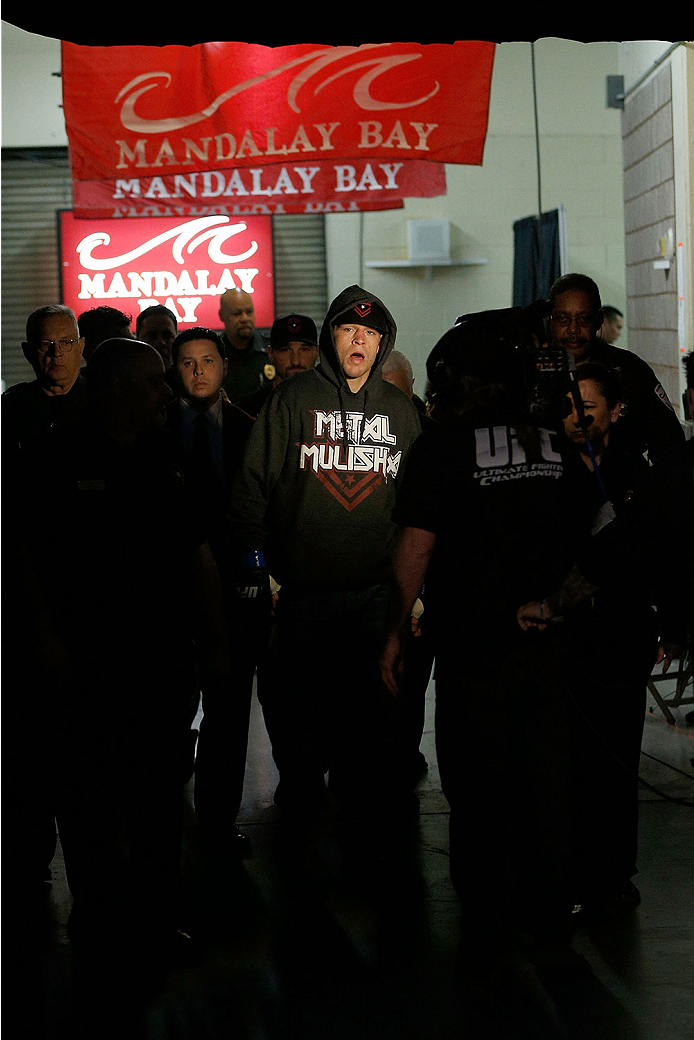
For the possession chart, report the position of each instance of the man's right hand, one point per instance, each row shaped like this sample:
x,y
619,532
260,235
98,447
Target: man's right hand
x,y
390,662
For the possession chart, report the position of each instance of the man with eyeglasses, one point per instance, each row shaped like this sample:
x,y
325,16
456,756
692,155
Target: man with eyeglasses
x,y
53,348
100,515
31,411
648,423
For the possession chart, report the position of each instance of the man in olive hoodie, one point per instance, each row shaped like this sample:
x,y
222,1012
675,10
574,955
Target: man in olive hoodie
x,y
313,504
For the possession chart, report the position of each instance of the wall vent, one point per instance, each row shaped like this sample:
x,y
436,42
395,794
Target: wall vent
x,y
429,239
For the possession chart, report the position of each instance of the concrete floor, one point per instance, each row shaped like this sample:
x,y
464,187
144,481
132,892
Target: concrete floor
x,y
291,953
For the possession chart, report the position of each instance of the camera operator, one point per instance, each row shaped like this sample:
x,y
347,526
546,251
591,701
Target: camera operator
x,y
482,513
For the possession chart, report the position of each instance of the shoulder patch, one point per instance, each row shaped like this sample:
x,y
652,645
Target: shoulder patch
x,y
660,392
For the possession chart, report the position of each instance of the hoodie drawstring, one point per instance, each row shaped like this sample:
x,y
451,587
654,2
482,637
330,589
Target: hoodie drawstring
x,y
343,416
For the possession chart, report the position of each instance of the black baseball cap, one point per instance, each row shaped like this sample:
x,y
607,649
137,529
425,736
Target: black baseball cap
x,y
367,312
293,327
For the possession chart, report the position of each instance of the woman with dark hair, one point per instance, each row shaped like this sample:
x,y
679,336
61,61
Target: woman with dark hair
x,y
614,641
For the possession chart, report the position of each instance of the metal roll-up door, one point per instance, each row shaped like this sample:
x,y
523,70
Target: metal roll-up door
x,y
301,283
36,185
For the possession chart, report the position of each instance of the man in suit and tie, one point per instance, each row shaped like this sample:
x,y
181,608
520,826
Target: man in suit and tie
x,y
211,433
210,461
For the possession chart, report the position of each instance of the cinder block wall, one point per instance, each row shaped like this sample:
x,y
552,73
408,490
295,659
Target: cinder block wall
x,y
649,212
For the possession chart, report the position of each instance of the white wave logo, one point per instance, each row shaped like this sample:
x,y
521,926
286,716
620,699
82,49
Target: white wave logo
x,y
318,61
186,238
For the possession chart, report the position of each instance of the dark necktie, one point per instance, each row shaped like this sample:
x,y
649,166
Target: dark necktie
x,y
202,468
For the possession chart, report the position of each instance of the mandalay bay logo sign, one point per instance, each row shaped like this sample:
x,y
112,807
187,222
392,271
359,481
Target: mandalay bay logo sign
x,y
314,138
185,265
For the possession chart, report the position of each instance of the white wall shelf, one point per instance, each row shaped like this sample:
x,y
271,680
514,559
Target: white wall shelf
x,y
428,265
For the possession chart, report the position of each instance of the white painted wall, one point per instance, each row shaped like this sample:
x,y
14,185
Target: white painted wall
x,y
581,167
32,115
638,57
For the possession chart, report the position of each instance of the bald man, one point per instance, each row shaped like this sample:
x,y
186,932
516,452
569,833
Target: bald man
x,y
398,371
249,368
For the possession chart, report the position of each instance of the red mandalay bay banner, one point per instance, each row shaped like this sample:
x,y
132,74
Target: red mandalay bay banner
x,y
142,112
320,187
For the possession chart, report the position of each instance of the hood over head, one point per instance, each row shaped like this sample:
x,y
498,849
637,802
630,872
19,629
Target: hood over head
x,y
355,304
